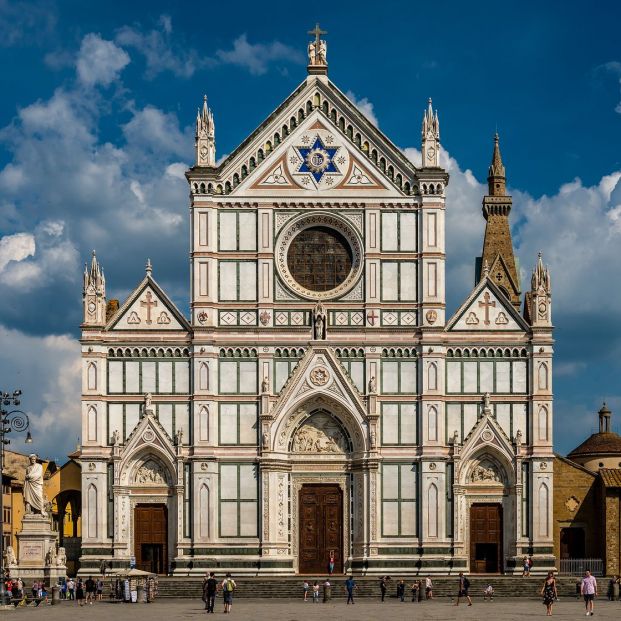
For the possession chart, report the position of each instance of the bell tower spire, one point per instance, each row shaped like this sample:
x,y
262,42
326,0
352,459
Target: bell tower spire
x,y
430,138
205,136
498,246
94,294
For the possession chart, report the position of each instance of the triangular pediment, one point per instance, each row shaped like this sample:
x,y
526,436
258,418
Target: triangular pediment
x,y
486,309
148,308
319,373
277,152
147,437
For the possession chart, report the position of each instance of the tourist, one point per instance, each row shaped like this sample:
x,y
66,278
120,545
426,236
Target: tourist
x,y
488,592
350,585
428,588
420,591
401,590
383,585
549,593
228,586
331,563
90,590
414,589
589,591
611,588
71,589
79,592
525,568
210,588
99,585
305,588
35,589
315,592
63,589
464,585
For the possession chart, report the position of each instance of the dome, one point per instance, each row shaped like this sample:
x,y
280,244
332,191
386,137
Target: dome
x,y
602,443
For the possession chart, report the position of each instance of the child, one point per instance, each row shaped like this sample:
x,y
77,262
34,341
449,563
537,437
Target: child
x,y
316,592
305,587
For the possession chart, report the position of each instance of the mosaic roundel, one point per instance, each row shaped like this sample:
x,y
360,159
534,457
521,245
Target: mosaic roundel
x,y
317,161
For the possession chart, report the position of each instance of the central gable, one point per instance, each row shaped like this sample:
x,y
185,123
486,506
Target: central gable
x,y
316,141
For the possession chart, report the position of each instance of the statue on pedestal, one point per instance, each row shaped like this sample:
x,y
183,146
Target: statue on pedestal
x,y
34,499
319,322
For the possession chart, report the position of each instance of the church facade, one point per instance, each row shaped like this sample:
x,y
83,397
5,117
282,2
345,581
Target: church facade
x,y
318,402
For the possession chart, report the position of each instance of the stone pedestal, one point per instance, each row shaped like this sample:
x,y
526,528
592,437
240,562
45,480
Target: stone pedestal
x,y
34,542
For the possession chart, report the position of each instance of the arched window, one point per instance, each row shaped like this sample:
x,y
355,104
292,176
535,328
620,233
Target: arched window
x,y
203,376
543,376
543,423
432,511
432,424
544,494
432,376
203,424
92,513
204,512
91,431
92,376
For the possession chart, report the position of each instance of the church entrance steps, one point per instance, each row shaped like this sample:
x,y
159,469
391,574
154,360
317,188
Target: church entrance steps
x,y
290,587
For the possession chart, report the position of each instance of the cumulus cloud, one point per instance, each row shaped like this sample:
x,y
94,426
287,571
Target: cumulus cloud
x,y
159,50
365,106
257,57
100,61
15,248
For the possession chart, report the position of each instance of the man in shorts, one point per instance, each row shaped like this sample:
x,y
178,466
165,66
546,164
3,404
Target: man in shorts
x,y
90,590
464,585
228,586
589,591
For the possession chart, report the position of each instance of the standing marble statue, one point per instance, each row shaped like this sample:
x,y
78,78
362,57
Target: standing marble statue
x,y
34,499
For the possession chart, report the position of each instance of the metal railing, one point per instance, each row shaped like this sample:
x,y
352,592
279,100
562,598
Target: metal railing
x,y
577,566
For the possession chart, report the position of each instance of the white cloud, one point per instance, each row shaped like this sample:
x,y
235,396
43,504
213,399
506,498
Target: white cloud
x,y
99,61
25,21
16,248
257,57
160,52
365,106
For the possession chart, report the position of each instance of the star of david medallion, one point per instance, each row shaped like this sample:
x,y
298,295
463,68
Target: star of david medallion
x,y
317,163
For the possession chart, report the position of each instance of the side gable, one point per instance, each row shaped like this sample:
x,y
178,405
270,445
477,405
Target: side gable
x,y
148,308
486,309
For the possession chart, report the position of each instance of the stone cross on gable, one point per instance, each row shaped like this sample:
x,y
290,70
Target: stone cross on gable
x,y
149,303
317,48
487,304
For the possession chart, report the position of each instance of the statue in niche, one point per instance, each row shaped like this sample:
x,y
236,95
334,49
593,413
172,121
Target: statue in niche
x,y
116,437
485,472
319,322
151,473
265,440
148,406
319,434
518,437
265,385
179,437
372,385
373,439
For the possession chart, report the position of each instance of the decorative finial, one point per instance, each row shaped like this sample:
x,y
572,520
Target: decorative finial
x,y
148,267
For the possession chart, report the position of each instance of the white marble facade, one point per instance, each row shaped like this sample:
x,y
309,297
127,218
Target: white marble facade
x,y
277,381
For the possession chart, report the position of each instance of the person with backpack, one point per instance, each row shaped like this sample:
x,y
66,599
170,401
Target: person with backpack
x,y
228,586
464,585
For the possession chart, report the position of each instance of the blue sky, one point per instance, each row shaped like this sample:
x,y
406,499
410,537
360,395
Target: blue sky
x,y
96,129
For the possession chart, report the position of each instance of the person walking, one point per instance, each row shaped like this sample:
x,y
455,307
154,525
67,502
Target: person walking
x,y
210,587
79,592
350,585
383,585
71,589
305,587
464,585
548,591
100,588
401,590
90,590
589,591
316,592
428,588
228,586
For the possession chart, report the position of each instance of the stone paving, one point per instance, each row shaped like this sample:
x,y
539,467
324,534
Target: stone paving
x,y
297,610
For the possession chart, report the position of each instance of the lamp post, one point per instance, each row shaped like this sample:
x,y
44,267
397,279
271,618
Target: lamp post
x,y
13,420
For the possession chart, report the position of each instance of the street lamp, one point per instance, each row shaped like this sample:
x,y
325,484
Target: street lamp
x,y
13,420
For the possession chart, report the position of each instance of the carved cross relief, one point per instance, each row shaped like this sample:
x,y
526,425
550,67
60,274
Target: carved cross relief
x,y
148,303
